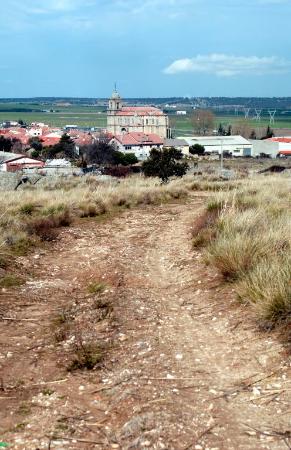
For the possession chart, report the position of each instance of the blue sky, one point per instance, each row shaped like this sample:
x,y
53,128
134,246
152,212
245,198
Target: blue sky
x,y
150,47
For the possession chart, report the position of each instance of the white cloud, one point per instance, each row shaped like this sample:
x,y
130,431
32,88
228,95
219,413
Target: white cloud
x,y
228,65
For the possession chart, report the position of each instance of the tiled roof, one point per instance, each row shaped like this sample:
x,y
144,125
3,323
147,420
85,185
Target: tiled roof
x,y
286,140
48,141
139,111
136,138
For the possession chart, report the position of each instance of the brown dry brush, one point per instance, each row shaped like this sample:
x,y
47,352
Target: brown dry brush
x,y
35,214
249,242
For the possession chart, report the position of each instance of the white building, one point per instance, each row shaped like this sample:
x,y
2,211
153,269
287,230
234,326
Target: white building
x,y
236,145
272,147
138,143
142,119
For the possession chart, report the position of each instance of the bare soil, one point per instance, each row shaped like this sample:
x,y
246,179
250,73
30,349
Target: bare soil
x,y
185,366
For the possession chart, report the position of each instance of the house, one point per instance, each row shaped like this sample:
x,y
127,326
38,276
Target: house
x,y
179,144
142,119
19,162
138,143
235,145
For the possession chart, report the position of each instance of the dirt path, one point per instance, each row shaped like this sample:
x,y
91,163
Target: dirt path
x,y
188,368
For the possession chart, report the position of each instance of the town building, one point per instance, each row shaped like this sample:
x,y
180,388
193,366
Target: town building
x,y
178,144
138,143
14,162
140,119
235,145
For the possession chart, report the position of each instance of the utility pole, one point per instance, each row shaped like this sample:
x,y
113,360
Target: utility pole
x,y
221,154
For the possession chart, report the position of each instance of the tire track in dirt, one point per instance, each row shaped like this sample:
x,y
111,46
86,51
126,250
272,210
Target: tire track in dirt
x,y
182,373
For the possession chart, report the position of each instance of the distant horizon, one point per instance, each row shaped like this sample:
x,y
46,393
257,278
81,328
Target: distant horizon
x,y
67,97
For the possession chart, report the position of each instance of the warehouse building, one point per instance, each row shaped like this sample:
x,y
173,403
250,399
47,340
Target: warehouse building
x,y
235,145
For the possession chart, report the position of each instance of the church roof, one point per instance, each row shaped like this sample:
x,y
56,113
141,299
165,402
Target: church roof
x,y
139,111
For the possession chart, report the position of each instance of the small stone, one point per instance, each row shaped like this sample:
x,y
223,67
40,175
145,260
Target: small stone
x,y
256,391
122,337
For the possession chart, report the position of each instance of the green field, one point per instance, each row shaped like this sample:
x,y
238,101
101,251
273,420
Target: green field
x,y
182,124
84,116
95,116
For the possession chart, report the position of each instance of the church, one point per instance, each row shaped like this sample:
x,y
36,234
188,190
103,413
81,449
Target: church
x,y
142,119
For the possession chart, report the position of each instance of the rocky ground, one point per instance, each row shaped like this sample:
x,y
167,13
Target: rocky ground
x,y
179,364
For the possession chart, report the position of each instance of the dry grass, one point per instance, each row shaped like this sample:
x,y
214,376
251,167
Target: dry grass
x,y
35,213
253,243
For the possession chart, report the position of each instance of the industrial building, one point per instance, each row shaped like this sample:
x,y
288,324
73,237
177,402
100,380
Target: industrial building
x,y
273,147
235,145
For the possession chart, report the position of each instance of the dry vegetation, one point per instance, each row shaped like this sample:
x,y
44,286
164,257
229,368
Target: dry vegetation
x,y
247,234
34,214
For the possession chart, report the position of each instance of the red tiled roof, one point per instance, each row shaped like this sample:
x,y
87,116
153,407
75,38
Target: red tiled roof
x,y
285,152
286,140
49,141
136,138
139,111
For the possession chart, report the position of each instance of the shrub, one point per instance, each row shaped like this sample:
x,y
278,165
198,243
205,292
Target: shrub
x,y
235,255
27,209
45,227
10,280
96,287
87,355
268,289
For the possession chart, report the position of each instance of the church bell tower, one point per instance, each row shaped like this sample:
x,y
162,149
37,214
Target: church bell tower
x,y
115,103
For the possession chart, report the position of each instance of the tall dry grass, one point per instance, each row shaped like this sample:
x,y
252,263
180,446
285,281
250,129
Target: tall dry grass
x,y
35,213
252,244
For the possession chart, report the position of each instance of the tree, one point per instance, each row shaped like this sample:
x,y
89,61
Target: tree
x,y
229,131
243,128
269,133
99,153
253,135
65,147
35,143
202,121
197,149
129,159
164,163
221,130
5,144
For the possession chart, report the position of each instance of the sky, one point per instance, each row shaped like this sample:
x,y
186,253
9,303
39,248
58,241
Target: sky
x,y
151,48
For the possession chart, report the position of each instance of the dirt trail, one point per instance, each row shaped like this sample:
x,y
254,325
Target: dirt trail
x,y
188,369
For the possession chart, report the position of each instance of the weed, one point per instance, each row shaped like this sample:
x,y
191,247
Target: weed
x,y
96,287
48,392
24,409
62,324
87,355
27,208
10,280
104,307
19,427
